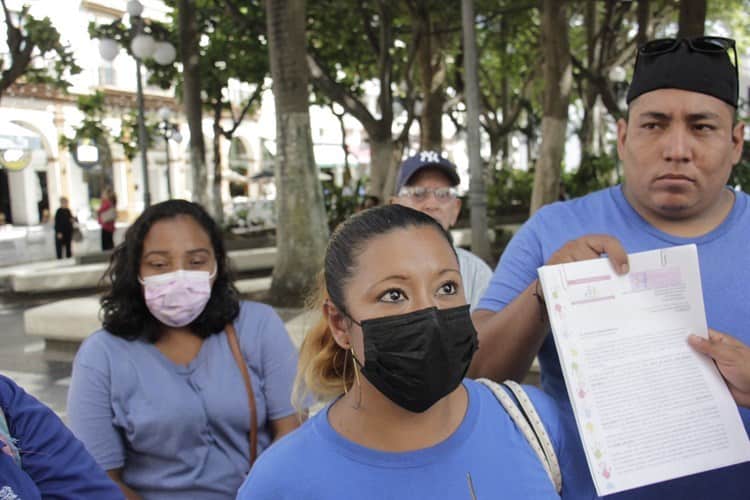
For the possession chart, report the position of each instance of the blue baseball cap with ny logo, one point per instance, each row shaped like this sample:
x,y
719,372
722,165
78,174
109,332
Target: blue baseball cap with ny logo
x,y
426,159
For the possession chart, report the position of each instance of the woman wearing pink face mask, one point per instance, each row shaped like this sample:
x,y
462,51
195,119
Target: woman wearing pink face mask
x,y
158,396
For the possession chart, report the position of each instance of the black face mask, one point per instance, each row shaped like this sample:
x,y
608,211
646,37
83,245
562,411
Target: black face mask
x,y
416,359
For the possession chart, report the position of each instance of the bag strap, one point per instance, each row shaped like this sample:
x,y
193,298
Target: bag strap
x,y
241,364
528,422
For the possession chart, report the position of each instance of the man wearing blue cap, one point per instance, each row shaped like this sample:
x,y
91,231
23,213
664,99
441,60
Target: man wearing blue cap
x,y
427,182
678,145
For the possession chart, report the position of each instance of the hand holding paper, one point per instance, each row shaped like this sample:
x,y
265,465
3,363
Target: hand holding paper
x,y
732,358
648,407
592,246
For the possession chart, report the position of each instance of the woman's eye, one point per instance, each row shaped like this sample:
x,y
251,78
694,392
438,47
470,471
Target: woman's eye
x,y
157,265
448,288
393,295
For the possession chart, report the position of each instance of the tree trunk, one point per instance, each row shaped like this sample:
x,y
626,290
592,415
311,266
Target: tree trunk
x,y
302,229
497,148
344,146
480,243
384,156
431,71
589,91
557,82
218,206
692,18
643,16
431,121
191,96
504,94
587,134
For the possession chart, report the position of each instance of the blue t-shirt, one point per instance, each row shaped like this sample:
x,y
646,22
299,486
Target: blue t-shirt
x,y
724,256
181,431
316,463
54,464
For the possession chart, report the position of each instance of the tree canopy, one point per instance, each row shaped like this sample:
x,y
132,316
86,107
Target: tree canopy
x,y
35,53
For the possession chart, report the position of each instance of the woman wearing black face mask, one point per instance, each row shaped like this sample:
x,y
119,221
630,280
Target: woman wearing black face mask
x,y
391,350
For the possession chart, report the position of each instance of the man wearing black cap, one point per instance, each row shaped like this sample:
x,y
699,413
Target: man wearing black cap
x,y
678,146
427,182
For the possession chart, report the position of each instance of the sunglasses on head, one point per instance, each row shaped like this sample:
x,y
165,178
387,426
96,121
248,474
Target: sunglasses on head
x,y
704,44
708,44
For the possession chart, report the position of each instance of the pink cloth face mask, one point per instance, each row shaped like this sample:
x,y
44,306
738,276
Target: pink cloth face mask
x,y
177,298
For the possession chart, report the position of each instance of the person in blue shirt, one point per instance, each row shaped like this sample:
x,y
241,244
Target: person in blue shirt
x,y
678,145
157,396
391,350
40,457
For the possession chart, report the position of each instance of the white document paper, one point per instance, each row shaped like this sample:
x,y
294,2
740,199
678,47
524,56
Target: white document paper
x,y
647,406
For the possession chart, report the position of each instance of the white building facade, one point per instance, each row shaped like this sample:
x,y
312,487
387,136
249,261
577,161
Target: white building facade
x,y
47,114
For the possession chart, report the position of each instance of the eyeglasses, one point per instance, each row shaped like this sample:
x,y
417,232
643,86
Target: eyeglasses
x,y
705,44
417,193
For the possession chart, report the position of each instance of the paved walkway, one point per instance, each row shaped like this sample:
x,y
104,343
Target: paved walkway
x,y
45,374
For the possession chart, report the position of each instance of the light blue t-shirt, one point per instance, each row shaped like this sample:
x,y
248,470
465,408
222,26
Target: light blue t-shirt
x,y
724,256
181,431
316,463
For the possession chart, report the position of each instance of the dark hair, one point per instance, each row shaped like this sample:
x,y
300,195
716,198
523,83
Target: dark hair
x,y
124,312
110,193
349,239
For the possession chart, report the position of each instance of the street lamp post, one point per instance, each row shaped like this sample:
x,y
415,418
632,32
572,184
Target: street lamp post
x,y
142,46
169,131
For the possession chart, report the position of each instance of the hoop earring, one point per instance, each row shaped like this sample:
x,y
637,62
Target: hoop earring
x,y
356,376
343,374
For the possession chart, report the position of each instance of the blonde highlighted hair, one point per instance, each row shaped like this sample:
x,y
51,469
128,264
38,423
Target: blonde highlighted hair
x,y
321,370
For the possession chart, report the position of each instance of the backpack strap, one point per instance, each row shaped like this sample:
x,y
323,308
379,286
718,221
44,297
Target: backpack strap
x,y
528,422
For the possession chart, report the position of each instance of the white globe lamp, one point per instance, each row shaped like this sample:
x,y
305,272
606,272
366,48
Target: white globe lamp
x,y
108,49
134,8
164,53
165,113
143,46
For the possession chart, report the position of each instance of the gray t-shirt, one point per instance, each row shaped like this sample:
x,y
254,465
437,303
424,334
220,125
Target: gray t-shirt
x,y
181,431
476,275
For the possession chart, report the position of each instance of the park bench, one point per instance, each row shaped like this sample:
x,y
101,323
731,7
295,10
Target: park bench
x,y
7,273
53,278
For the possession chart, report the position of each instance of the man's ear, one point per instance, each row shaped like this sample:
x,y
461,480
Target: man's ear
x,y
457,212
738,141
339,324
622,136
